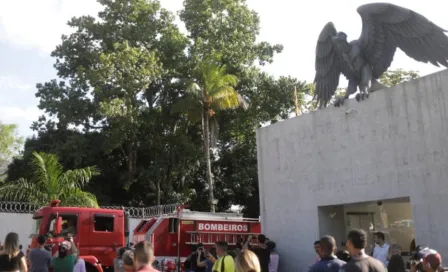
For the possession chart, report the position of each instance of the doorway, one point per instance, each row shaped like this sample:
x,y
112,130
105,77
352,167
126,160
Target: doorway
x,y
364,221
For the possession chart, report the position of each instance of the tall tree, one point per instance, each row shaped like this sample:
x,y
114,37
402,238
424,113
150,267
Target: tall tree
x,y
113,72
10,144
49,181
211,91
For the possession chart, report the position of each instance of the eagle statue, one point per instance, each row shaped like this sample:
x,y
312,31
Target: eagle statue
x,y
385,27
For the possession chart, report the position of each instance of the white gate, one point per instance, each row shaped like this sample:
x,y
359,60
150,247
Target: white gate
x,y
18,217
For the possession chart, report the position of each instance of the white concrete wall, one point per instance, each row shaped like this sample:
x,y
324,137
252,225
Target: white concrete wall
x,y
23,224
395,144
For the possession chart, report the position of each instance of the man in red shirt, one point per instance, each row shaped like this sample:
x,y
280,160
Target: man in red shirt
x,y
144,257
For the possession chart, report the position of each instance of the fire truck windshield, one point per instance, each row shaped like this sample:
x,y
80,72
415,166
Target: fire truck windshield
x,y
36,226
69,225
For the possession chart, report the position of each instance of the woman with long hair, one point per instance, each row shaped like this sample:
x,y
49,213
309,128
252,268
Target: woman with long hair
x,y
396,262
247,261
11,258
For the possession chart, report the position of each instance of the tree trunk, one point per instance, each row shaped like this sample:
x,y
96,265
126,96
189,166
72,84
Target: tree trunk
x,y
158,191
205,129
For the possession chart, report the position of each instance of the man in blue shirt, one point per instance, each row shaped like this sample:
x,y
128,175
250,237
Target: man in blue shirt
x,y
328,261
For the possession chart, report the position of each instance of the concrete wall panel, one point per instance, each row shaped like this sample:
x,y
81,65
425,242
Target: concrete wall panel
x,y
392,145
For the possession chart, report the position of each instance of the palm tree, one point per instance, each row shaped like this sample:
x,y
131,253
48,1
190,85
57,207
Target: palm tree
x,y
211,91
49,181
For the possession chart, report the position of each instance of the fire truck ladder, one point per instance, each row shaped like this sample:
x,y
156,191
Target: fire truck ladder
x,y
210,238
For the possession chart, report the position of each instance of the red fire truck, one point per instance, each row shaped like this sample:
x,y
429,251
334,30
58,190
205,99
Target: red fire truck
x,y
96,232
174,236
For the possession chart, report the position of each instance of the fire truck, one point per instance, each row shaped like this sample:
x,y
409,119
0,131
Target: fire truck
x,y
175,236
98,233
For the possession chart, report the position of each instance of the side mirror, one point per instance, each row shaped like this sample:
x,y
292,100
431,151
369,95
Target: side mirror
x,y
57,225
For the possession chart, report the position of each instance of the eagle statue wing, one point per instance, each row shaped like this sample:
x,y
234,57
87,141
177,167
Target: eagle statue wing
x,y
386,27
329,66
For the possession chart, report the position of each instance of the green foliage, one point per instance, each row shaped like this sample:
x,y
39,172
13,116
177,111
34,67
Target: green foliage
x,y
48,181
10,144
121,102
227,27
394,77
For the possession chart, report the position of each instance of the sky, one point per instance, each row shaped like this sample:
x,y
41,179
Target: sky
x,y
30,30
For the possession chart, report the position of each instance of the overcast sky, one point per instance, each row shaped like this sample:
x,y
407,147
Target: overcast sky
x,y
30,30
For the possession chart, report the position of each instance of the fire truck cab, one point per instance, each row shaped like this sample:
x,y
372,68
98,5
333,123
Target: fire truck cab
x,y
96,232
174,236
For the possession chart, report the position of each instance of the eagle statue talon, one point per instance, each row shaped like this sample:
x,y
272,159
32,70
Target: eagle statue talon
x,y
339,102
385,28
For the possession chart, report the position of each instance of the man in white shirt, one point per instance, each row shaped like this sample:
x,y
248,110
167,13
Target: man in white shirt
x,y
381,250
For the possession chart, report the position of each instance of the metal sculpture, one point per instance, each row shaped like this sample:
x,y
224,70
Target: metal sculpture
x,y
385,27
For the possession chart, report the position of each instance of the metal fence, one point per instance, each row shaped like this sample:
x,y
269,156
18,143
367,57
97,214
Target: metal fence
x,y
134,212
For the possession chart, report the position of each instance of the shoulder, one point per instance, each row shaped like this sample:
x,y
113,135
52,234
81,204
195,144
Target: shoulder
x,y
338,262
313,267
20,254
374,261
350,266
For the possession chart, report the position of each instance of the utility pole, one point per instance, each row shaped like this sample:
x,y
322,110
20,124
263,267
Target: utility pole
x,y
296,101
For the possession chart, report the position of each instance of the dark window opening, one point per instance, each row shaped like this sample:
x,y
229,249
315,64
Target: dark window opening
x,y
69,225
173,224
103,223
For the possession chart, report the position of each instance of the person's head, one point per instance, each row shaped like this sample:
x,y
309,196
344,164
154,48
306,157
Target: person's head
x,y
261,239
128,260
221,248
271,246
143,254
41,239
343,255
356,241
396,264
247,261
64,249
317,247
211,255
327,246
379,238
432,261
200,247
11,245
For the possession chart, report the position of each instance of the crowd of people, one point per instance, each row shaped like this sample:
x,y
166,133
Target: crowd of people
x,y
259,257
246,257
352,257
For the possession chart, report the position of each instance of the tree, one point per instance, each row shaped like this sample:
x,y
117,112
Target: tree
x,y
109,109
211,91
113,72
49,182
10,144
394,77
